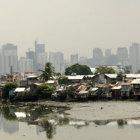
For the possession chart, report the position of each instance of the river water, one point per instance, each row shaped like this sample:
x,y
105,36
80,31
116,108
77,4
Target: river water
x,y
78,121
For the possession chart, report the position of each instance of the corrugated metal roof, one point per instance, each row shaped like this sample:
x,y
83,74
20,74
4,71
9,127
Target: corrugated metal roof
x,y
132,75
19,90
111,75
136,81
117,87
94,89
50,81
77,77
32,76
83,92
38,84
125,84
90,76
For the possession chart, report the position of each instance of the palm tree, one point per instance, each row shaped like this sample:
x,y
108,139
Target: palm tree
x,y
48,72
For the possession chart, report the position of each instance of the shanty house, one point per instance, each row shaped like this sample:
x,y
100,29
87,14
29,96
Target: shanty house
x,y
136,87
116,92
125,90
75,78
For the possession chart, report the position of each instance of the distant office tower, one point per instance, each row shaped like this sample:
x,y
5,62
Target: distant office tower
x,y
122,54
9,58
74,59
39,48
40,56
41,60
25,64
98,57
134,52
31,56
57,60
107,53
83,61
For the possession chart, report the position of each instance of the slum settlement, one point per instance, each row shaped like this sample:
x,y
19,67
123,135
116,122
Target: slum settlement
x,y
73,88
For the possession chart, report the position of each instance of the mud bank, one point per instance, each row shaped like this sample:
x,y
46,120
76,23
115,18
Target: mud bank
x,y
104,110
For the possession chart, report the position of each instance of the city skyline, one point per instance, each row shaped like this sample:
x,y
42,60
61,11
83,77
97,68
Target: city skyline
x,y
70,26
35,60
67,55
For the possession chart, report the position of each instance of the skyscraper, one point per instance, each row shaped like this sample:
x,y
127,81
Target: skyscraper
x,y
9,58
25,64
30,55
107,53
134,52
74,59
40,56
39,48
98,56
122,54
57,60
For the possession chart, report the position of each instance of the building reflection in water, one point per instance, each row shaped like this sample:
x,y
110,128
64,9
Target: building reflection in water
x,y
46,119
8,121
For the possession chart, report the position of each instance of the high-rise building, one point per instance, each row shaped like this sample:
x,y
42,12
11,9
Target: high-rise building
x,y
74,59
9,58
30,55
25,64
40,56
122,54
134,57
84,61
41,60
107,53
39,48
98,57
57,60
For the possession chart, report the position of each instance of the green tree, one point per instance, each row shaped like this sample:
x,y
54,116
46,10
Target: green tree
x,y
71,91
44,91
104,70
127,72
120,75
78,69
8,113
63,80
48,72
7,88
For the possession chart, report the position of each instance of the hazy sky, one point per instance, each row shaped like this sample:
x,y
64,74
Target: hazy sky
x,y
70,26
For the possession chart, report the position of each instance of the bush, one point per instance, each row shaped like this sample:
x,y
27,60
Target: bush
x,y
7,88
70,91
29,96
78,69
44,91
63,80
104,70
26,96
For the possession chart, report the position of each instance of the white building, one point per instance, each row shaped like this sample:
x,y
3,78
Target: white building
x,y
25,64
41,59
57,60
74,59
122,54
134,58
9,58
40,56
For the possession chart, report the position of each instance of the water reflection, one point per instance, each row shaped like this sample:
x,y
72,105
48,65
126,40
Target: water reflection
x,y
8,120
46,119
